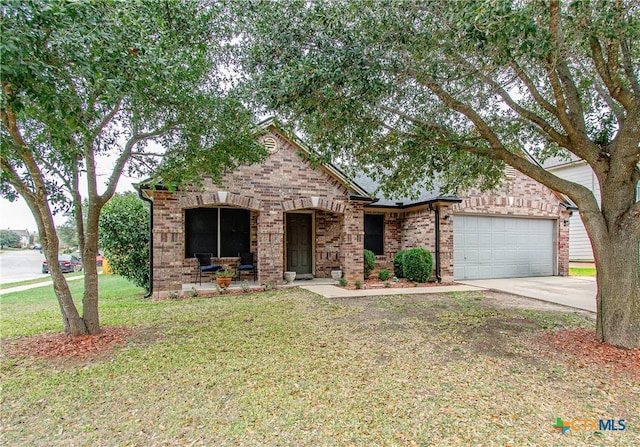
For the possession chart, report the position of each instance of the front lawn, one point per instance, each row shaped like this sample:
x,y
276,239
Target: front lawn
x,y
582,271
290,368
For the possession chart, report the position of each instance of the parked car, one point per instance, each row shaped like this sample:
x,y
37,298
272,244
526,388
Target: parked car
x,y
68,263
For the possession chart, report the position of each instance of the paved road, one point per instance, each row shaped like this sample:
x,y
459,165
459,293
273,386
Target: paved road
x,y
20,265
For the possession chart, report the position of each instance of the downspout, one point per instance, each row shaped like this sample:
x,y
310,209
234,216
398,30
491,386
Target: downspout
x,y
146,199
436,211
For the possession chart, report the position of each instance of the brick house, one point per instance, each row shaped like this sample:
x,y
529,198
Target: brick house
x,y
311,219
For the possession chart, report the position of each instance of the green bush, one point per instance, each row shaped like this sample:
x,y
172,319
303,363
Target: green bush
x,y
417,264
358,284
384,275
369,262
397,264
124,237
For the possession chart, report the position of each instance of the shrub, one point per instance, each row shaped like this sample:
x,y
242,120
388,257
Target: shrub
x,y
358,284
369,262
124,237
384,275
417,264
343,282
397,264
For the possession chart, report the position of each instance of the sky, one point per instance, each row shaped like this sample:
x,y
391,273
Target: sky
x,y
17,215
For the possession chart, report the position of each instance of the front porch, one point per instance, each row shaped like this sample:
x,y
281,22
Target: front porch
x,y
210,286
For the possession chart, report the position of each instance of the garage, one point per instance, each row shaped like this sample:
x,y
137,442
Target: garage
x,y
502,247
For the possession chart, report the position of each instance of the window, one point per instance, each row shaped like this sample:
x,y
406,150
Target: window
x,y
374,233
225,232
201,228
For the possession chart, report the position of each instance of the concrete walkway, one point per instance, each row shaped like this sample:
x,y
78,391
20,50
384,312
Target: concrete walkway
x,y
331,291
573,291
578,292
36,285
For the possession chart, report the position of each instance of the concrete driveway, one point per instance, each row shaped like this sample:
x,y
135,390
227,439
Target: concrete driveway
x,y
572,291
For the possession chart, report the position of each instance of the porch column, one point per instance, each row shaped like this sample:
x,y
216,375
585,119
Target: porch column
x,y
563,243
352,248
168,243
446,243
270,247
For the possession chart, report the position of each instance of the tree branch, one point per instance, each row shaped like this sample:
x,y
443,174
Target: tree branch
x,y
628,68
578,193
124,158
555,136
554,68
106,120
613,84
535,93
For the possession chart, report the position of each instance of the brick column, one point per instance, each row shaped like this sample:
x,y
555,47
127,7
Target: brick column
x,y
446,243
563,243
270,247
352,249
168,242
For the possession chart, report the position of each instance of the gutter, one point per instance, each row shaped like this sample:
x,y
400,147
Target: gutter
x,y
146,199
403,206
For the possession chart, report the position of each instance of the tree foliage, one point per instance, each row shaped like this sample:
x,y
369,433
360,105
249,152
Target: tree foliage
x,y
89,84
9,238
445,93
68,233
124,237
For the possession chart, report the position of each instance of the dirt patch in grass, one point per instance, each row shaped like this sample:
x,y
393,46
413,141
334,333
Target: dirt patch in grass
x,y
62,345
580,348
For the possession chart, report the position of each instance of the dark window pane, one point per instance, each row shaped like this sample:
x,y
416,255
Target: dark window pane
x,y
235,231
201,231
374,233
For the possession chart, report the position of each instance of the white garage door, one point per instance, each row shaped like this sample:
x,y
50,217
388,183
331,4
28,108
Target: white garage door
x,y
502,247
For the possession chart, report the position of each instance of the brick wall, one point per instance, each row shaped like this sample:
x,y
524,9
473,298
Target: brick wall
x,y
284,182
328,236
522,197
519,197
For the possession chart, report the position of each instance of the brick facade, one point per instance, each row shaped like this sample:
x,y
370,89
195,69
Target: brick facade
x,y
518,197
286,182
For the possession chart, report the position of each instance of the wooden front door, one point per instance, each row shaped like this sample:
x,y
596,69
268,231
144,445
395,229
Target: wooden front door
x,y
299,243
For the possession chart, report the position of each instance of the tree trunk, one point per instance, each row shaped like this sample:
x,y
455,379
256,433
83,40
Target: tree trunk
x,y
618,298
90,297
73,323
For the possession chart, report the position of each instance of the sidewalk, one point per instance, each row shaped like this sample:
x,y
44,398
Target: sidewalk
x,y
331,291
575,292
35,285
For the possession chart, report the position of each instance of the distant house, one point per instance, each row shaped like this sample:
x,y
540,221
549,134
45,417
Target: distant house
x,y
295,215
578,171
25,237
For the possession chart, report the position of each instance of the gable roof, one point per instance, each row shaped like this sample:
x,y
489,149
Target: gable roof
x,y
357,192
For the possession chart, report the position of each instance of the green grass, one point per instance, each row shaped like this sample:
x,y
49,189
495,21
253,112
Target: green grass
x,y
582,271
289,368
